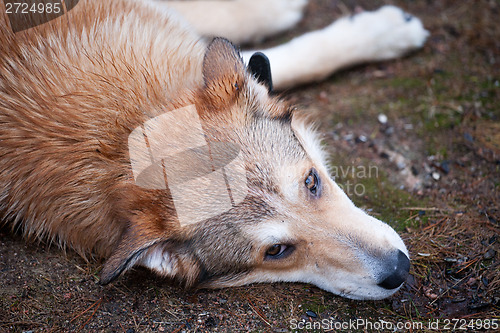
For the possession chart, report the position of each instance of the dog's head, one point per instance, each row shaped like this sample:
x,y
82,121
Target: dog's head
x,y
270,211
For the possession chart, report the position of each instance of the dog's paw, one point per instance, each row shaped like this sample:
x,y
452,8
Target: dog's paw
x,y
389,32
278,15
287,12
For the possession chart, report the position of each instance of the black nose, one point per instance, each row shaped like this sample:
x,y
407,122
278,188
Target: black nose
x,y
396,271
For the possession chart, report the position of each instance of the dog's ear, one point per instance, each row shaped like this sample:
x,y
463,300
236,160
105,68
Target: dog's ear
x,y
130,249
223,70
148,217
144,228
167,257
260,67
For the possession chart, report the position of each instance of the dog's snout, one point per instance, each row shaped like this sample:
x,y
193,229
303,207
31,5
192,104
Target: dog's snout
x,y
395,271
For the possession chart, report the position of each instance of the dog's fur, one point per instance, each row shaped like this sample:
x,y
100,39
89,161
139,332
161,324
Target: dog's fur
x,y
74,89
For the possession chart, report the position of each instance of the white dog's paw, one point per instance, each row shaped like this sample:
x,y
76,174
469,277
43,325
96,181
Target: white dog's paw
x,y
287,12
278,15
389,32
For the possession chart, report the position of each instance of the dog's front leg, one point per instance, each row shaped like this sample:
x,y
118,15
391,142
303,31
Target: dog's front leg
x,y
369,36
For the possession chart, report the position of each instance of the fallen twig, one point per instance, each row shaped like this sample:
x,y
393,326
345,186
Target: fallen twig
x,y
93,313
261,315
422,208
434,224
84,311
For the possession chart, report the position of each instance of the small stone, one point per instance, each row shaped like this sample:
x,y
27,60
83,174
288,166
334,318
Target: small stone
x,y
348,137
436,176
429,293
445,167
382,118
485,282
401,165
361,139
408,127
311,314
389,131
384,155
490,254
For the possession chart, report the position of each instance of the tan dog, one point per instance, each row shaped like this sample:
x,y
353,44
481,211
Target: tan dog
x,y
126,135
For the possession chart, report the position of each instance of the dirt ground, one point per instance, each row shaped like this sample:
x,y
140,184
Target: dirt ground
x,y
432,170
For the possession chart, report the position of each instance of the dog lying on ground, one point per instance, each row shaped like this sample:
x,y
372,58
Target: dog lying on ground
x,y
126,135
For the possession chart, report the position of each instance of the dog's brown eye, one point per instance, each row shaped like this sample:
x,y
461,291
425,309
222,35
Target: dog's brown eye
x,y
312,182
276,250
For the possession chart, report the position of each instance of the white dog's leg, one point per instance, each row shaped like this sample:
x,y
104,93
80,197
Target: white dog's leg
x,y
369,36
240,21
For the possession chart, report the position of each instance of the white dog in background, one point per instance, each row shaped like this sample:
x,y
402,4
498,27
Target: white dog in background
x,y
383,34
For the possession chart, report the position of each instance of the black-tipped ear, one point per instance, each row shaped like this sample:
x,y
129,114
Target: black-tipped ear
x,y
260,67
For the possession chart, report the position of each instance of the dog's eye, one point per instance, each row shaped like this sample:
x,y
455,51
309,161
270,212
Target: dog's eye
x,y
312,182
278,251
